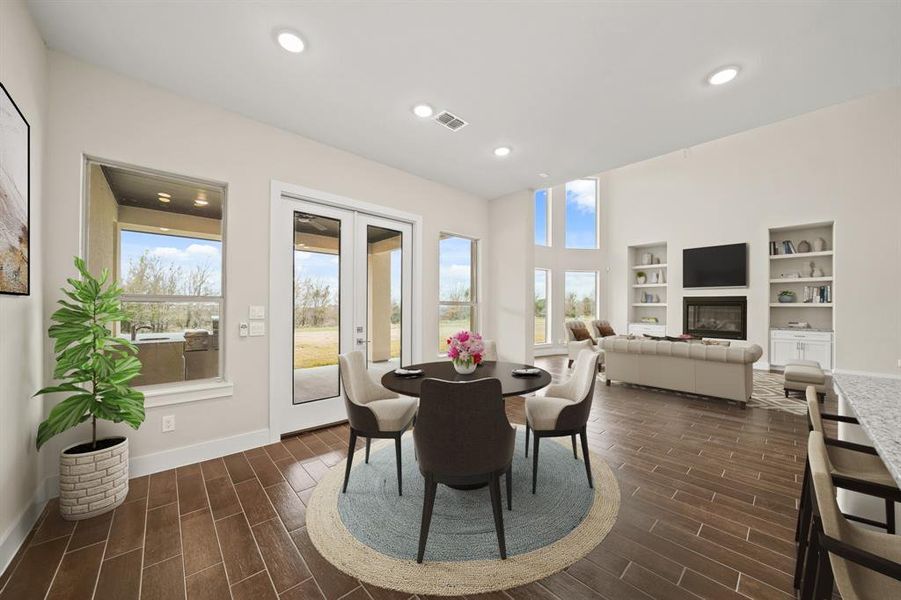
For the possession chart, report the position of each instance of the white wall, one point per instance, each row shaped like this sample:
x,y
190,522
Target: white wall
x,y
102,114
23,70
841,163
508,277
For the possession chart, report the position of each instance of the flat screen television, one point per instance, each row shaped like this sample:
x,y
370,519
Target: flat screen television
x,y
715,266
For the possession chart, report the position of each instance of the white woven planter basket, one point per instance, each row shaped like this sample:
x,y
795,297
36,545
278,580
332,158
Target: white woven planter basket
x,y
92,483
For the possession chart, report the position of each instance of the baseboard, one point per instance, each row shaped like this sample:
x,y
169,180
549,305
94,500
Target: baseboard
x,y
16,533
549,350
179,457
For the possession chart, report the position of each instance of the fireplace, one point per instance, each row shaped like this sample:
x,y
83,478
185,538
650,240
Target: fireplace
x,y
716,317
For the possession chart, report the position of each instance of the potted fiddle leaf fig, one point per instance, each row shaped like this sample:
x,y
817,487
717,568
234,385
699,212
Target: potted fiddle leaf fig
x,y
93,369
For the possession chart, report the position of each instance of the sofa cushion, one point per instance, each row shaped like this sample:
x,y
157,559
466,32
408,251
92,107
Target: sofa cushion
x,y
604,328
580,331
714,353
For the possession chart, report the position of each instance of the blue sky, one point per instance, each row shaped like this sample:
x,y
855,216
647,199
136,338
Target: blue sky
x,y
324,267
455,264
541,220
183,252
581,214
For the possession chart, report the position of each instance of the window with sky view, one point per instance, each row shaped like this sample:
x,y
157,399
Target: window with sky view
x,y
582,214
580,295
542,223
457,287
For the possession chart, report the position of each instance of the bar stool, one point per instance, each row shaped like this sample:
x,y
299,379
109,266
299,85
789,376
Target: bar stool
x,y
853,467
862,563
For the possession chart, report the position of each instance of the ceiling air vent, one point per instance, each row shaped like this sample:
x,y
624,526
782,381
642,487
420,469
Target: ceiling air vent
x,y
451,121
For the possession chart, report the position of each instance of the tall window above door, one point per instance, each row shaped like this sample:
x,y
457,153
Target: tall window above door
x,y
543,217
582,214
580,295
160,238
457,286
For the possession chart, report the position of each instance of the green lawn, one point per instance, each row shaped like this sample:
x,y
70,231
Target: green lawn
x,y
318,346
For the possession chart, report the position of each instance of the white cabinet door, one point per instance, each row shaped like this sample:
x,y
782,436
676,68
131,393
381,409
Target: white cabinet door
x,y
782,351
818,351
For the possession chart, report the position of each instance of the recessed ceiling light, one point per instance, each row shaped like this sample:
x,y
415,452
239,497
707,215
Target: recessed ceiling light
x,y
724,75
165,199
502,151
423,111
163,195
543,175
164,229
200,202
291,42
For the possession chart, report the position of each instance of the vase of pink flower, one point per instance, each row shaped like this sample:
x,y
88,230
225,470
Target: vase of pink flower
x,y
465,349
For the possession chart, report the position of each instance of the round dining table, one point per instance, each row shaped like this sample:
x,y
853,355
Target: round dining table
x,y
511,385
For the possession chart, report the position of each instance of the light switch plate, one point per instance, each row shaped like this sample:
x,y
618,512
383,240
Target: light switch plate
x,y
257,328
168,423
257,312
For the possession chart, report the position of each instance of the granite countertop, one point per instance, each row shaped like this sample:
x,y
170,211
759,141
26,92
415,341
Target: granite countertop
x,y
877,404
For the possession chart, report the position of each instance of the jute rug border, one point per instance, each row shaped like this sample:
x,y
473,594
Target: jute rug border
x,y
453,578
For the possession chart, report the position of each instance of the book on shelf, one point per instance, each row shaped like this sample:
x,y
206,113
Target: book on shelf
x,y
774,249
818,294
788,247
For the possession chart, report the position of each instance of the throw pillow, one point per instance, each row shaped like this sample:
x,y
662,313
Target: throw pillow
x,y
604,329
580,332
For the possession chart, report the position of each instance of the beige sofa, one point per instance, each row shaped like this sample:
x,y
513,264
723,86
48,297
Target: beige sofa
x,y
694,367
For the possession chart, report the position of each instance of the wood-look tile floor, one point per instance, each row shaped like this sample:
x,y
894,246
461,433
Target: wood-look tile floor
x,y
708,511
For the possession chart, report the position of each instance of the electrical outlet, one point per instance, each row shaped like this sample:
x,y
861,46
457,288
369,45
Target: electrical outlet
x,y
168,423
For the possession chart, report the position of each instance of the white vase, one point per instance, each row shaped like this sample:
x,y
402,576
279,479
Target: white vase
x,y
464,368
647,258
819,245
93,482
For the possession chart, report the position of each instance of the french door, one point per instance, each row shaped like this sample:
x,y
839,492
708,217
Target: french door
x,y
348,286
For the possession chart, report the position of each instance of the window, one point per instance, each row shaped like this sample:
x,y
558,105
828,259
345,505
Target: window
x,y
160,237
457,286
542,218
582,214
580,300
542,285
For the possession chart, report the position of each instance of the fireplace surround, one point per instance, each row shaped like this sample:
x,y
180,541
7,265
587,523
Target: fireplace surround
x,y
724,317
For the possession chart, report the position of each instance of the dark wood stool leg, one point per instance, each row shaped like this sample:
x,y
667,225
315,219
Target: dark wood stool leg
x,y
368,442
810,562
400,485
509,478
890,515
495,486
585,456
535,463
575,454
804,533
528,431
428,503
824,582
350,458
802,501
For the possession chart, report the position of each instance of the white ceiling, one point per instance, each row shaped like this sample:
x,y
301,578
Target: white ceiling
x,y
575,88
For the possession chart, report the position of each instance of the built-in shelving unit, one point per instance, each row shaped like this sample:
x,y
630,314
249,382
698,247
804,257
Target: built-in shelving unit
x,y
809,273
647,299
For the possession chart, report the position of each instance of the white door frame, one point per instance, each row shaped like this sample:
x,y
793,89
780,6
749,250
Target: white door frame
x,y
281,324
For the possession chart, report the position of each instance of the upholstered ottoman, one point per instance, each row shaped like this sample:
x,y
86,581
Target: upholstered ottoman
x,y
801,373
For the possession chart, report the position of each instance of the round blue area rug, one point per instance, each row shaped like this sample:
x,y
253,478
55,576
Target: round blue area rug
x,y
372,534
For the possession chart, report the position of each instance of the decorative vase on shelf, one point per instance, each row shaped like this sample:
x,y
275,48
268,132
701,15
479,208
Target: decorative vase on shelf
x,y
465,349
787,297
647,258
803,246
819,245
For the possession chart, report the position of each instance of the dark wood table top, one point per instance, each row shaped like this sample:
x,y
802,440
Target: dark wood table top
x,y
510,385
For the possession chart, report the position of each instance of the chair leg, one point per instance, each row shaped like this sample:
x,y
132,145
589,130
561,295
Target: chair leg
x,y
802,502
786,392
890,516
350,458
575,454
368,443
585,455
823,585
803,532
400,484
607,381
535,463
528,431
495,486
428,503
808,581
509,478
569,364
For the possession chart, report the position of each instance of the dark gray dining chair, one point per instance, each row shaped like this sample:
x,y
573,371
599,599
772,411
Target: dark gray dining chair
x,y
463,438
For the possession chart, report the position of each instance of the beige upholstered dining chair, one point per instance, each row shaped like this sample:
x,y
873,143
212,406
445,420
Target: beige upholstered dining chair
x,y
490,352
563,410
865,564
372,411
